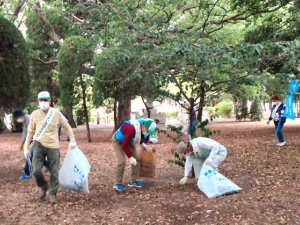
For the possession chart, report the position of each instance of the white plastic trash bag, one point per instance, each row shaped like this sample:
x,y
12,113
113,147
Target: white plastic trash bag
x,y
73,174
214,184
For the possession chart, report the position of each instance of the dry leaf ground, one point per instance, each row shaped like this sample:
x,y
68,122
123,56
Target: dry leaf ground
x,y
269,176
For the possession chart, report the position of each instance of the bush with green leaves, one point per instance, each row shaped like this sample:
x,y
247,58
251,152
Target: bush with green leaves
x,y
1,125
178,137
255,113
241,113
14,66
223,109
79,114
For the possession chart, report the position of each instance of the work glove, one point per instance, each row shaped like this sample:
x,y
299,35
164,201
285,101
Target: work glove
x,y
144,146
208,161
132,161
26,153
72,145
268,122
183,180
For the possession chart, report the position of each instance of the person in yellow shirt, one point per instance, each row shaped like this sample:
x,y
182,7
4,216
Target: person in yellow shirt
x,y
43,130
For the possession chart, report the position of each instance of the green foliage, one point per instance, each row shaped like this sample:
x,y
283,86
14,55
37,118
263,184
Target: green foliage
x,y
73,54
223,109
241,112
1,124
206,132
80,119
255,113
178,137
14,67
179,160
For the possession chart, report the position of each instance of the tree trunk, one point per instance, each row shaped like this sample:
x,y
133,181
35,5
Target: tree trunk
x,y
115,115
85,110
191,112
124,110
98,118
18,9
147,107
201,105
69,113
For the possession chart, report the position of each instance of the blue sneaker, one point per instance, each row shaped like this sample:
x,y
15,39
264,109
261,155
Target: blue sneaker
x,y
24,176
135,184
118,187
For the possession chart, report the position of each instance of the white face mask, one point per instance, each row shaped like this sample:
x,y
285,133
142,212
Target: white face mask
x,y
44,105
20,120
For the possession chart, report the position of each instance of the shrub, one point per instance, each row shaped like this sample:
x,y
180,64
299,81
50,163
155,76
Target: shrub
x,y
241,112
1,125
255,113
223,109
80,119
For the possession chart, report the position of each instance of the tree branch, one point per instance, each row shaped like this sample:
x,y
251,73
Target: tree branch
x,y
46,63
52,33
239,16
177,84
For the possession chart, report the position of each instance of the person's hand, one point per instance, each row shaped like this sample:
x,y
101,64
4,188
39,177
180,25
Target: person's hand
x,y
72,145
268,122
208,161
132,161
21,146
183,180
282,111
144,146
26,153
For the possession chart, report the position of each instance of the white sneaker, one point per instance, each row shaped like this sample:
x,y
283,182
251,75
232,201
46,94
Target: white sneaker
x,y
281,143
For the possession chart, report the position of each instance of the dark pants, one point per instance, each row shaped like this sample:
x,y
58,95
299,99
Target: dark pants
x,y
27,169
53,156
279,133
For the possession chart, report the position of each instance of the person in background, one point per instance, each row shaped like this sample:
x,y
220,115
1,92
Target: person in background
x,y
198,151
276,113
130,132
23,118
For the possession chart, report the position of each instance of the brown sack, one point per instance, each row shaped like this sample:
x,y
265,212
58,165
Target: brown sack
x,y
148,163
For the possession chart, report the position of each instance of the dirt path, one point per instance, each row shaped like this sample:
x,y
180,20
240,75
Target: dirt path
x,y
269,176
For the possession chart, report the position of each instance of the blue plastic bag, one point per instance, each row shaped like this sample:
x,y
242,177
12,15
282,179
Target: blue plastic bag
x,y
214,184
73,174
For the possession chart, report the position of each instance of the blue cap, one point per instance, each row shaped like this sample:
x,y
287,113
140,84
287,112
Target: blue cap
x,y
18,113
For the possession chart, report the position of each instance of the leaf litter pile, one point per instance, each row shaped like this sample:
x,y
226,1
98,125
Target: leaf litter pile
x,y
269,176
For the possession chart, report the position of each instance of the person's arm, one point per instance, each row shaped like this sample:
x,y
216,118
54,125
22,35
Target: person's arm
x,y
270,118
129,132
187,168
30,133
64,123
188,164
24,132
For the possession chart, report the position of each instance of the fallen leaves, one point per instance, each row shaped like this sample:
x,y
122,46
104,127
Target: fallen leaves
x,y
268,175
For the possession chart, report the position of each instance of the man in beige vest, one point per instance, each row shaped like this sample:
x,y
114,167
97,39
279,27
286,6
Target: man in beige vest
x,y
43,128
